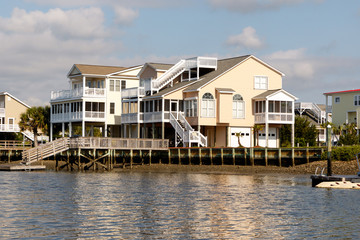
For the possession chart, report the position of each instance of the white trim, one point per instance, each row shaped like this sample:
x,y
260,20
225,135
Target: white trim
x,y
190,98
128,69
8,94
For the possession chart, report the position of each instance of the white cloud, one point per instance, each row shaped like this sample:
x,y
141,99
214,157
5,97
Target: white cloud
x,y
125,15
248,6
247,39
80,23
38,48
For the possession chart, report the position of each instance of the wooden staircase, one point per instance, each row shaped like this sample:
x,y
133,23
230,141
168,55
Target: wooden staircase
x,y
45,150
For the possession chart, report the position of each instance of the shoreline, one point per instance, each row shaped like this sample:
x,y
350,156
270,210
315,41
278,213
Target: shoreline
x,y
338,168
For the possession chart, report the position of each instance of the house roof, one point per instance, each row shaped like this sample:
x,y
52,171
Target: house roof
x,y
270,93
160,66
171,89
225,90
8,94
86,69
223,66
346,91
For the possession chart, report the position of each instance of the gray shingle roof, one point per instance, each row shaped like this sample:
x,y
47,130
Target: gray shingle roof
x,y
160,66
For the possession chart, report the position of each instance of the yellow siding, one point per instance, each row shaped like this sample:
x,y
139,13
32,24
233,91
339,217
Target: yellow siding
x,y
345,108
13,109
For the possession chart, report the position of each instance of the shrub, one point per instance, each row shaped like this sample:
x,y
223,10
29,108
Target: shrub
x,y
345,153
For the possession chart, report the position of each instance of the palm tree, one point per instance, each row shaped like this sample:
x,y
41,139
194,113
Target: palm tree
x,y
34,119
238,135
257,129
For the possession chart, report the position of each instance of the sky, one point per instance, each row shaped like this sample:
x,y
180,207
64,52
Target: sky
x,y
315,43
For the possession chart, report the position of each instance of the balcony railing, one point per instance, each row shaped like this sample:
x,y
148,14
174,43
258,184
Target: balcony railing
x,y
201,62
77,116
77,93
9,128
274,118
133,92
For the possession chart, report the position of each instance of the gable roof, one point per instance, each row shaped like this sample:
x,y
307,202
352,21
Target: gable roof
x,y
346,91
169,90
8,94
160,66
223,66
86,69
270,93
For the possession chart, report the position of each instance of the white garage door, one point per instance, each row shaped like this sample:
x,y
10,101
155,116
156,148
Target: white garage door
x,y
244,137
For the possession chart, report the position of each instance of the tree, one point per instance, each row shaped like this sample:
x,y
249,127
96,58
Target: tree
x,y
257,128
238,135
350,136
305,132
35,119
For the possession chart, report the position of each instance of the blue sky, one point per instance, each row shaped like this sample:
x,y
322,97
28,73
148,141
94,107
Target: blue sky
x,y
314,42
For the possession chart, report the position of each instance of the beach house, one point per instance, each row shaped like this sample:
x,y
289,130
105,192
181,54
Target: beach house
x,y
10,110
92,104
204,101
344,106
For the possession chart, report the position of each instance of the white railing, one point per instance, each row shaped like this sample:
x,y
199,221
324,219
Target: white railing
x,y
133,92
9,128
119,143
66,116
169,75
129,118
314,108
202,62
78,92
2,112
153,117
92,114
274,117
183,121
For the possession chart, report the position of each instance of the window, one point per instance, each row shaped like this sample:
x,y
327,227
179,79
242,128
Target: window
x,y
208,105
112,88
261,82
357,100
123,84
88,84
191,108
112,108
117,85
238,106
337,100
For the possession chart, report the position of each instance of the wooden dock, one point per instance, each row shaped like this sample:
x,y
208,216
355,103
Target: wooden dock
x,y
21,167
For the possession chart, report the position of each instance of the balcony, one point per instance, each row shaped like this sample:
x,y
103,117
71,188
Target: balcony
x,y
275,118
133,92
78,116
77,93
201,62
9,128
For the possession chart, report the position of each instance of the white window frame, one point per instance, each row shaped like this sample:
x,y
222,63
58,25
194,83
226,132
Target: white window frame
x,y
208,106
112,85
357,100
238,108
261,82
191,107
335,100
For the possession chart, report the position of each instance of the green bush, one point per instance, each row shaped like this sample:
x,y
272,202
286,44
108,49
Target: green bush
x,y
345,153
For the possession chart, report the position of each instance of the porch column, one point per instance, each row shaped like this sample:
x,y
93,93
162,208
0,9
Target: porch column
x,y
51,131
70,129
293,126
84,85
83,128
153,130
163,130
266,123
105,129
138,130
63,129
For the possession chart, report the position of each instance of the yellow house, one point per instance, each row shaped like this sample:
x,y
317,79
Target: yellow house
x,y
93,100
208,102
345,106
10,110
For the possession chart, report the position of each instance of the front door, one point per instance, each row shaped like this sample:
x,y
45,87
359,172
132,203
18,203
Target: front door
x,y
174,108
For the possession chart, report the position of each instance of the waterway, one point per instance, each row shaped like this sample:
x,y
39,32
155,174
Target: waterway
x,y
50,205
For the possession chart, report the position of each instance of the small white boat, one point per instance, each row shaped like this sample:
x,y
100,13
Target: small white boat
x,y
339,184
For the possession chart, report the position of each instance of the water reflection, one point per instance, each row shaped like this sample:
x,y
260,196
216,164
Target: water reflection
x,y
172,206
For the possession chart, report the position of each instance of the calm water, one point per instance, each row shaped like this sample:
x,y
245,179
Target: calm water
x,y
49,205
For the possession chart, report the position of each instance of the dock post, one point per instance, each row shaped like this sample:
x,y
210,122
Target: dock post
x,y
211,157
233,156
179,156
279,156
266,156
252,157
222,156
169,156
79,160
293,156
245,157
9,156
150,151
131,158
189,155
307,154
200,160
